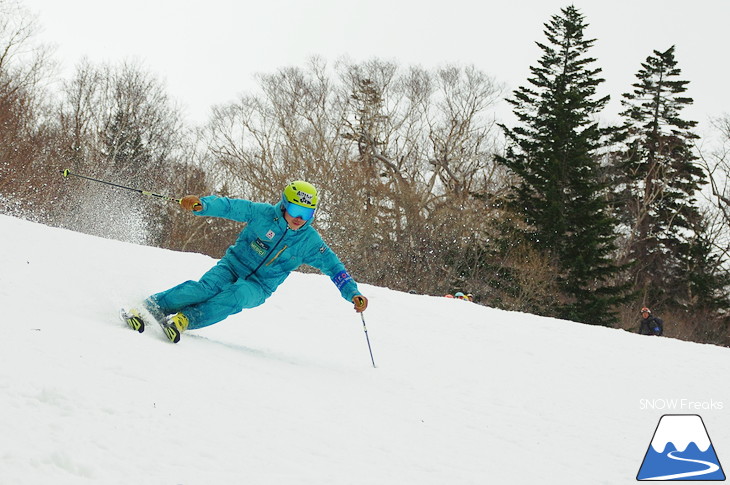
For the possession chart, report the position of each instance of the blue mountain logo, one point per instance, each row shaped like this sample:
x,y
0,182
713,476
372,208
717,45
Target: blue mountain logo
x,y
681,450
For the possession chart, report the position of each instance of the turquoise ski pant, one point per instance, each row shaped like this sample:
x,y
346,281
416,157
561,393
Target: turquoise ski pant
x,y
218,294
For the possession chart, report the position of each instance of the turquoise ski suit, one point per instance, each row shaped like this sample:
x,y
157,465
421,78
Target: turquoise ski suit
x,y
264,254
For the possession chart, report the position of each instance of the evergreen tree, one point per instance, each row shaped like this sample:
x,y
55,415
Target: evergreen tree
x,y
559,193
658,179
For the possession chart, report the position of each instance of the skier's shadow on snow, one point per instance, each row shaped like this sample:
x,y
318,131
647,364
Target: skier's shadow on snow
x,y
259,353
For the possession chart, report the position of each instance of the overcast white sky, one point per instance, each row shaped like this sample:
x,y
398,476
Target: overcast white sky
x,y
207,52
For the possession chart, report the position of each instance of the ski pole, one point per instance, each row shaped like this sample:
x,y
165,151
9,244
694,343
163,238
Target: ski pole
x,y
66,173
367,338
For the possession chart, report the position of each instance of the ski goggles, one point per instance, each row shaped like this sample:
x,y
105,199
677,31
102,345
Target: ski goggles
x,y
296,210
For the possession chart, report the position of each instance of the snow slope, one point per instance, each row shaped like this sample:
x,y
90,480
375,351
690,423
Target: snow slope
x,y
286,394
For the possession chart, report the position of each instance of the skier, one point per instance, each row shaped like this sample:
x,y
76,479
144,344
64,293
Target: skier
x,y
277,239
461,296
649,324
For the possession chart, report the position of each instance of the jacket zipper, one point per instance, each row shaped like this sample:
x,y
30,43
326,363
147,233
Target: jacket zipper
x,y
277,255
271,251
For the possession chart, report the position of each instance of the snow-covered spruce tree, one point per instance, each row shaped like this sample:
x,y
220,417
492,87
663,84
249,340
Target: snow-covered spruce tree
x,y
658,177
559,193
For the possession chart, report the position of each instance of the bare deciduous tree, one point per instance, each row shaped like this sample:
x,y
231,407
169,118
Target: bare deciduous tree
x,y
117,123
717,168
401,159
23,62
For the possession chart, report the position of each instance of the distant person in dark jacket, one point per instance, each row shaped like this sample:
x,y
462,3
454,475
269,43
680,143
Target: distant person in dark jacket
x,y
649,324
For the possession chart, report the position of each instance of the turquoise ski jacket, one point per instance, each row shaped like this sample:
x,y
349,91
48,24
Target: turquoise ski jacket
x,y
267,250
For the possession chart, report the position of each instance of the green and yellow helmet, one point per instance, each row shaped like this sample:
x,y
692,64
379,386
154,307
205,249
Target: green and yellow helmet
x,y
299,198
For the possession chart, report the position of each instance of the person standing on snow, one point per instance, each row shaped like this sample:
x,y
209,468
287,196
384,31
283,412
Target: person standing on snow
x,y
649,324
277,240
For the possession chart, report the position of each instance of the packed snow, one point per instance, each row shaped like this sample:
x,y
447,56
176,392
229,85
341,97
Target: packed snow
x,y
286,393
